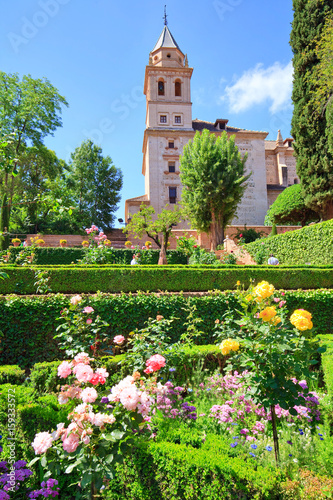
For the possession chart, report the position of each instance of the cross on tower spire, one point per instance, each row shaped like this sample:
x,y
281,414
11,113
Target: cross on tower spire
x,y
165,17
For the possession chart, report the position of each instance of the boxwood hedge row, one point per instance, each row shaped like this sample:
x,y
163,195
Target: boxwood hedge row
x,y
114,279
309,245
29,323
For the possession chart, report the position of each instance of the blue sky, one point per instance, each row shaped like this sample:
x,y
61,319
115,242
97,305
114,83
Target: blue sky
x,y
95,53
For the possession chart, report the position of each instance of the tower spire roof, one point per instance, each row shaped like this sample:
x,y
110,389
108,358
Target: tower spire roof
x,y
166,40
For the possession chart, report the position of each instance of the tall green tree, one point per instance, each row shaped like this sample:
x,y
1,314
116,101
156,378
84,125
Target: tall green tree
x,y
314,158
29,111
289,208
212,172
96,185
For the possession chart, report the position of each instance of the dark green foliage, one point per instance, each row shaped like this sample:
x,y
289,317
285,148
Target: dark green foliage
x,y
172,471
29,323
113,279
289,207
314,160
11,374
71,255
311,244
4,223
248,235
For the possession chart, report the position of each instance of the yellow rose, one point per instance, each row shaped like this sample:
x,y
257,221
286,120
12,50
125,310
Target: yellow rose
x,y
301,319
248,298
267,314
229,345
238,283
263,290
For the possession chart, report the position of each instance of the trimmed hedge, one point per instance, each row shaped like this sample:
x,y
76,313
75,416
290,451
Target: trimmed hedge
x,y
44,378
11,374
71,255
311,244
172,471
90,279
29,323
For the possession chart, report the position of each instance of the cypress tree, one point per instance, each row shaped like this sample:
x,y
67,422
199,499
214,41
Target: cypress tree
x,y
314,160
4,223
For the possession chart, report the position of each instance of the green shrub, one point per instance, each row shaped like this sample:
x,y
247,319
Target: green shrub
x,y
11,374
309,245
71,255
171,471
29,323
90,279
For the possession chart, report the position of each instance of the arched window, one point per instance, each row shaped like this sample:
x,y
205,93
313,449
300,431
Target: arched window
x,y
178,88
161,90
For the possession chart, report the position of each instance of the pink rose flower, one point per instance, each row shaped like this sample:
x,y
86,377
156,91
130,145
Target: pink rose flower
x,y
148,370
70,442
156,362
76,299
89,321
129,398
42,442
64,369
88,309
282,303
89,395
82,357
118,339
103,372
83,372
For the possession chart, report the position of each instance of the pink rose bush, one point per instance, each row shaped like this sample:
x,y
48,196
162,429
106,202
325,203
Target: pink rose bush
x,y
154,363
98,422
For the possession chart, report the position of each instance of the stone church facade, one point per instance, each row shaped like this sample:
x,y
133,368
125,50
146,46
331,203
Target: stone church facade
x,y
169,126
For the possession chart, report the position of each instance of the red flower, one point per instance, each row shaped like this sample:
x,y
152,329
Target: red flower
x,y
241,236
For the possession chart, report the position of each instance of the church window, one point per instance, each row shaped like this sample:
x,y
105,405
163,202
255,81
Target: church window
x,y
178,119
163,119
169,55
295,181
172,194
290,144
172,166
178,88
171,145
161,90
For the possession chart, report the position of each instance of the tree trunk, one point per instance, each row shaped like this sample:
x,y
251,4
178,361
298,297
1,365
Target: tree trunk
x,y
328,213
162,260
217,232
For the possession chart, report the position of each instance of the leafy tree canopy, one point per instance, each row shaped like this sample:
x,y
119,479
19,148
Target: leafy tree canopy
x,y
309,128
289,207
157,228
212,172
95,183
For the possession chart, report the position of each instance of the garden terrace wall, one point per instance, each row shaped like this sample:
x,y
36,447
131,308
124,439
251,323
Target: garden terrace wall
x,y
29,323
309,245
114,279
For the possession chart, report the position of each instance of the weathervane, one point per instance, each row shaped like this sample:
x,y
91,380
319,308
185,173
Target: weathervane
x,y
165,16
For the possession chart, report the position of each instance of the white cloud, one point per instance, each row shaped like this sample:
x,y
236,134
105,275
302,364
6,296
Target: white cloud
x,y
259,85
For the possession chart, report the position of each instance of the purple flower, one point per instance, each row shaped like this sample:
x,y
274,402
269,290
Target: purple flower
x,y
289,442
172,369
233,445
290,455
254,446
252,454
104,400
269,448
